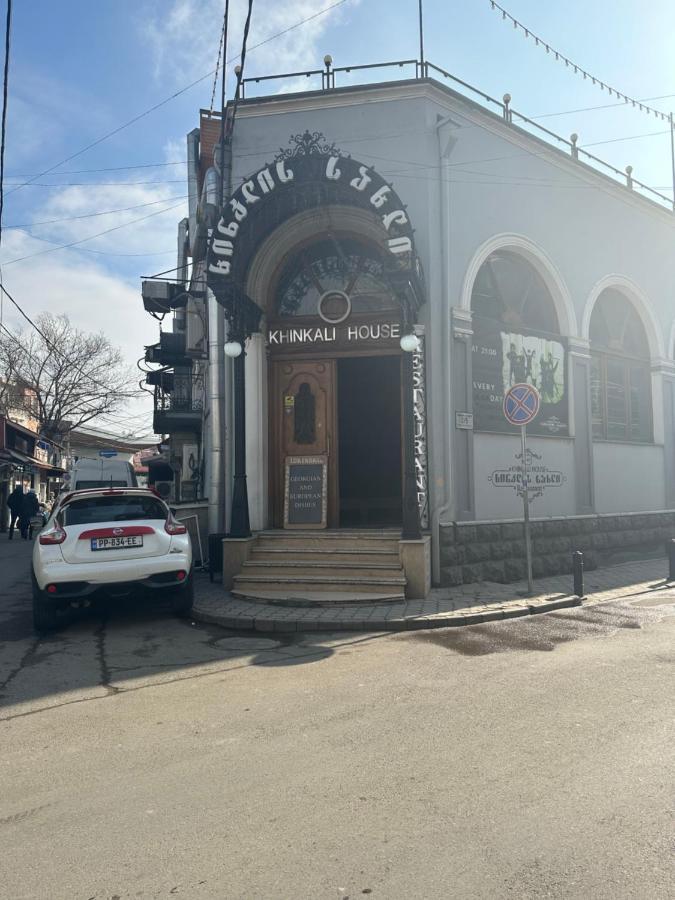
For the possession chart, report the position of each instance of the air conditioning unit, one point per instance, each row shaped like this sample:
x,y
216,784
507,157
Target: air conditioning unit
x,y
165,489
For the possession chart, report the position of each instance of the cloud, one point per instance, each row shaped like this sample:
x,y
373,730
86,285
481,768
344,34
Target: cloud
x,y
175,35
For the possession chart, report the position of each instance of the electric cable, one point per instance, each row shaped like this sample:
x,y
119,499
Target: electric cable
x,y
54,349
91,237
578,70
104,212
3,128
168,99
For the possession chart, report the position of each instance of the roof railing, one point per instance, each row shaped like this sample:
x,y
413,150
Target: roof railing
x,y
503,107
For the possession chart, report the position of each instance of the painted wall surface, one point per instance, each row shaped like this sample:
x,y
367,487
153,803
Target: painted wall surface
x,y
469,178
628,478
496,461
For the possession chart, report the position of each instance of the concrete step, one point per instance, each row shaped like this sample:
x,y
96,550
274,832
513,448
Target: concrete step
x,y
287,540
319,554
294,598
309,585
325,568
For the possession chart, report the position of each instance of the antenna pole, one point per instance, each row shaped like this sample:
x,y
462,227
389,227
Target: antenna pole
x,y
422,72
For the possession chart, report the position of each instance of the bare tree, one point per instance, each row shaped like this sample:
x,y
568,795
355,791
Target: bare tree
x,y
65,377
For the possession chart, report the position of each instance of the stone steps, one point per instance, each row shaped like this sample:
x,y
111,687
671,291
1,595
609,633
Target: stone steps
x,y
322,567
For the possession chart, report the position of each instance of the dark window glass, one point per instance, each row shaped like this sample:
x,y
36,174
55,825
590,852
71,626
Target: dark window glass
x,y
336,264
620,374
509,289
304,410
90,510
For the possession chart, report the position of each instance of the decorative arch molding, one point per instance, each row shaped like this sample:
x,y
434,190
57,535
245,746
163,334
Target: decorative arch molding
x,y
637,297
523,246
299,230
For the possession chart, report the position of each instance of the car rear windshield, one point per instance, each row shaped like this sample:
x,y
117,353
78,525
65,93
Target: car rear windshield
x,y
81,485
86,510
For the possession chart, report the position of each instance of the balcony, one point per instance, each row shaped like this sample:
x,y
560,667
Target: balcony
x,y
179,409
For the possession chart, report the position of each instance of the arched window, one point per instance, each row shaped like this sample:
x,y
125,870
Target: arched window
x,y
620,373
334,277
516,340
509,289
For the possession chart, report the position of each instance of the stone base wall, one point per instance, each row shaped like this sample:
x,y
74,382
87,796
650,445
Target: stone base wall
x,y
495,551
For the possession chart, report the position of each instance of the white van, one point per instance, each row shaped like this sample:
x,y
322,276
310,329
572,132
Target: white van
x,y
100,473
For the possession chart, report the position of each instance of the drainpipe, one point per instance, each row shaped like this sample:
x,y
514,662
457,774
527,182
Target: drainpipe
x,y
215,421
440,339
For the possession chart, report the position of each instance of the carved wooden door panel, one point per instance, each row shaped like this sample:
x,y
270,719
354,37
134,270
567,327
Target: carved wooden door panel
x,y
303,423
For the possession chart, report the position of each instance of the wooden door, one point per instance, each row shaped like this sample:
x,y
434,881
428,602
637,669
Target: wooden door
x,y
302,396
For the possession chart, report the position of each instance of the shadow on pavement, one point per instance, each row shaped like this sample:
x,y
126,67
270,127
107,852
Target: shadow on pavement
x,y
127,645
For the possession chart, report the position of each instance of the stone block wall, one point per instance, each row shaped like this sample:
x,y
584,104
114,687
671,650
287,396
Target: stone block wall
x,y
495,551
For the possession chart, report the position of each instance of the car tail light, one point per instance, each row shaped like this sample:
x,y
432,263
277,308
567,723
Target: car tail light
x,y
55,535
181,575
173,526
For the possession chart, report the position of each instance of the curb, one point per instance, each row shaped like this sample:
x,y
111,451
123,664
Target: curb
x,y
266,621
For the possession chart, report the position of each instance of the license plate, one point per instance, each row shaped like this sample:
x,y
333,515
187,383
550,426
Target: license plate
x,y
116,543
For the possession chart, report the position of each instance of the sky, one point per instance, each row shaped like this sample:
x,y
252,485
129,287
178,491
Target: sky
x,y
80,69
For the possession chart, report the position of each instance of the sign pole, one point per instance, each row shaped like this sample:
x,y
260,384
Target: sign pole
x,y
526,507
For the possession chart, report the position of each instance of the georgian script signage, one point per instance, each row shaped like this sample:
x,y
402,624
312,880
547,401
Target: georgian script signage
x,y
308,175
502,359
330,334
305,492
540,477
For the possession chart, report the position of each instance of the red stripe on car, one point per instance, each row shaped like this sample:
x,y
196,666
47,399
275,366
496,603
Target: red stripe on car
x,y
120,531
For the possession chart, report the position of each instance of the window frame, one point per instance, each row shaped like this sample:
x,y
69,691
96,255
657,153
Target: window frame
x,y
627,363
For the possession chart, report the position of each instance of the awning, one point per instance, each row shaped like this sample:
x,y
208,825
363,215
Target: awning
x,y
22,459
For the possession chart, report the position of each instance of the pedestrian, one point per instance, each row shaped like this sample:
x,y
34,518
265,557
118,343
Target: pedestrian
x,y
14,502
29,508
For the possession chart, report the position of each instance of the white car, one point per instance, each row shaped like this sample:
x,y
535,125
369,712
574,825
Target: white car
x,y
109,541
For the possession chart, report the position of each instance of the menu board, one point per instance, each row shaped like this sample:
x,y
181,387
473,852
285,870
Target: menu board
x,y
305,488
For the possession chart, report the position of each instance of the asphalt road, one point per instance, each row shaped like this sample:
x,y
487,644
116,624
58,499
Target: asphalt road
x,y
143,757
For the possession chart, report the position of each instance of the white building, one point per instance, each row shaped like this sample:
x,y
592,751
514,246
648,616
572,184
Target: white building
x,y
537,267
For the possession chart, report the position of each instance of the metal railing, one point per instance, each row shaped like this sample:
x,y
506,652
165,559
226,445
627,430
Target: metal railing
x,y
330,80
186,395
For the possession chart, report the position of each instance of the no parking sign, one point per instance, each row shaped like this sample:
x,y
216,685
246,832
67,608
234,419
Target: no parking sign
x,y
521,404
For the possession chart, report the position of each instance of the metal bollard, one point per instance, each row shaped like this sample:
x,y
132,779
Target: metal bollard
x,y
578,571
670,552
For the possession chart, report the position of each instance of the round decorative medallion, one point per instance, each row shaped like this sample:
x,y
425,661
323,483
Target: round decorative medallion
x,y
334,307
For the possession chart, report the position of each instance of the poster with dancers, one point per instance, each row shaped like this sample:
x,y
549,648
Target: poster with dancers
x,y
502,359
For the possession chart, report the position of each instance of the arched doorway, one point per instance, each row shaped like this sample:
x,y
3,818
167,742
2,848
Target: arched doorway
x,y
333,331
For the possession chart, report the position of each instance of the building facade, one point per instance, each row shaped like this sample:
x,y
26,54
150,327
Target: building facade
x,y
357,216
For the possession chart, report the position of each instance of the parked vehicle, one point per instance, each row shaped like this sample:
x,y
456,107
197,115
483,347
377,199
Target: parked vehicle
x,y
103,473
109,542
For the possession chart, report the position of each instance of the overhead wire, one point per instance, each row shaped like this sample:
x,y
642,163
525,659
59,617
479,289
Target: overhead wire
x,y
3,127
91,237
168,99
104,212
578,69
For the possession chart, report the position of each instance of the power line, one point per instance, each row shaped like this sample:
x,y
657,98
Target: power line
x,y
168,99
221,49
105,212
91,237
569,112
578,70
52,347
61,184
3,130
181,162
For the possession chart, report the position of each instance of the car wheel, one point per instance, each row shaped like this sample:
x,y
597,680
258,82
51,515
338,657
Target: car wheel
x,y
45,617
183,598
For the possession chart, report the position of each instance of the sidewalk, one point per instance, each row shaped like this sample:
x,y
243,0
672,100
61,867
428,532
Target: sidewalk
x,y
467,604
